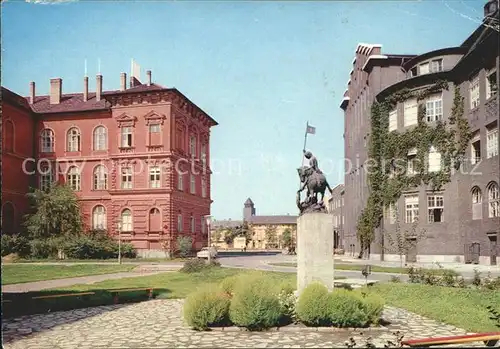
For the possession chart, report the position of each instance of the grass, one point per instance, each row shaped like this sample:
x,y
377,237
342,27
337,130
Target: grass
x,y
359,267
19,273
92,261
464,308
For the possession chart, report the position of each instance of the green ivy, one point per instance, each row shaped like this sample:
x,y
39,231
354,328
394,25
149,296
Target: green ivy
x,y
389,150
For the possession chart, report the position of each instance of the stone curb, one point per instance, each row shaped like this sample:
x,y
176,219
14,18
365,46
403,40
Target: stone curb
x,y
302,329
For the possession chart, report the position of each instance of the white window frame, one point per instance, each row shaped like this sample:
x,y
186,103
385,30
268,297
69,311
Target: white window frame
x,y
393,120
154,177
100,178
435,202
475,156
99,217
477,203
434,108
47,141
192,224
192,184
493,200
179,223
203,187
489,90
127,139
73,178
192,145
411,208
100,138
492,142
127,220
46,177
180,181
411,162
424,68
126,178
74,138
435,160
474,92
410,114
154,128
438,63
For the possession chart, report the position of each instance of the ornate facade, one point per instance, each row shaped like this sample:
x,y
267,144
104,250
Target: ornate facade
x,y
138,158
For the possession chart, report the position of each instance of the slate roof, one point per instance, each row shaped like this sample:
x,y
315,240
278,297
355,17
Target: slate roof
x,y
249,202
72,102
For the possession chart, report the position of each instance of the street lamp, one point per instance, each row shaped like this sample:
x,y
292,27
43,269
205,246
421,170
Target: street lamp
x,y
119,230
208,219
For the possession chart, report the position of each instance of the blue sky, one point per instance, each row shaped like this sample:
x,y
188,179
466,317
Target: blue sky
x,y
261,69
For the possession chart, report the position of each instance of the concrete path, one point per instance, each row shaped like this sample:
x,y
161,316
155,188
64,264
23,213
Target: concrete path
x,y
160,324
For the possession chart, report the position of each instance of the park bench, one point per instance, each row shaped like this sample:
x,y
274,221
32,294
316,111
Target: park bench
x,y
116,292
489,339
63,295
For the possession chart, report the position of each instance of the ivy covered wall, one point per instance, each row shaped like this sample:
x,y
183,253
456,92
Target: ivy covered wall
x,y
388,153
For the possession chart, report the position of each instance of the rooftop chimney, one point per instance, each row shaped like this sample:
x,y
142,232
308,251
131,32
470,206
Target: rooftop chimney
x,y
32,92
55,90
98,90
148,74
123,81
85,88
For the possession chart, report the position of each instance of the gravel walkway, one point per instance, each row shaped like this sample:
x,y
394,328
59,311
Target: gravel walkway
x,y
159,324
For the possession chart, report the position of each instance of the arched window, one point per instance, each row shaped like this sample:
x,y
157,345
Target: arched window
x,y
100,138
100,178
73,139
126,220
47,141
154,220
477,202
9,136
73,178
8,218
192,145
99,217
493,200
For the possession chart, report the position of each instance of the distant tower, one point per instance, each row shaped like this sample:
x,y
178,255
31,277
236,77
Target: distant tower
x,y
248,210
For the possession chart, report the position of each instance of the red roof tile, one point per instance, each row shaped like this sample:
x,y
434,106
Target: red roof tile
x,y
69,103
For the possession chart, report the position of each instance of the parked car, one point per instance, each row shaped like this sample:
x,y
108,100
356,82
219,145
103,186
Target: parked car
x,y
203,253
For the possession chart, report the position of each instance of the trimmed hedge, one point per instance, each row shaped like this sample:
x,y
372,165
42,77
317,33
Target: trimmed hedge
x,y
205,308
255,304
313,306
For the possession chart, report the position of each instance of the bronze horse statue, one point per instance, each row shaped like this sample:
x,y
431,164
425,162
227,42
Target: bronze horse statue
x,y
314,182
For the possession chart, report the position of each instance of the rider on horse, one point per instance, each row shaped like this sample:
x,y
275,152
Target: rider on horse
x,y
313,162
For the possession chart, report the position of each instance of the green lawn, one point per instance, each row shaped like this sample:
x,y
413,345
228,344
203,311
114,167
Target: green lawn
x,y
464,308
91,261
358,267
21,273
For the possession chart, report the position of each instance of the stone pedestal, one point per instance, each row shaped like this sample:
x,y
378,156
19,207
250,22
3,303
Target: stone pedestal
x,y
314,250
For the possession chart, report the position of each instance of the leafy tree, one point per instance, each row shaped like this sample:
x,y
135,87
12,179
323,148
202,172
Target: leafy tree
x,y
271,235
184,245
56,212
402,241
217,234
287,238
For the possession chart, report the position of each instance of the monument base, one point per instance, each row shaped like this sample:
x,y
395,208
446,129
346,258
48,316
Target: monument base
x,y
315,250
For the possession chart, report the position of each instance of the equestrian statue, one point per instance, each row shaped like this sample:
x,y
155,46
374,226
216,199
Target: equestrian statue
x,y
312,179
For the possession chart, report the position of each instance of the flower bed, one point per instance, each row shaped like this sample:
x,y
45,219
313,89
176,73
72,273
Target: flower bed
x,y
259,303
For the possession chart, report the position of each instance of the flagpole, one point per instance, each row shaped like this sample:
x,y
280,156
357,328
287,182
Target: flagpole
x,y
303,149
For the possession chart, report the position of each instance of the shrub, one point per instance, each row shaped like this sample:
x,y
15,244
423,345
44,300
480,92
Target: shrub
x,y
92,247
228,284
374,306
198,265
313,305
476,280
347,309
255,304
45,248
395,279
16,243
449,278
184,245
205,308
288,303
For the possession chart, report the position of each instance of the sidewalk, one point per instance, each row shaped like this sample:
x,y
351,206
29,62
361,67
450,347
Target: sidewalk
x,y
58,283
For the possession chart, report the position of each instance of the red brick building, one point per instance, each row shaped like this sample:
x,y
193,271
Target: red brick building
x,y
137,158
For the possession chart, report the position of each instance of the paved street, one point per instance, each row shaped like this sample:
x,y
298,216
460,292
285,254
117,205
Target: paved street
x,y
158,323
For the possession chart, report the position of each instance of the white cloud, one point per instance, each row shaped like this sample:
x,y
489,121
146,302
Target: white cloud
x,y
49,2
